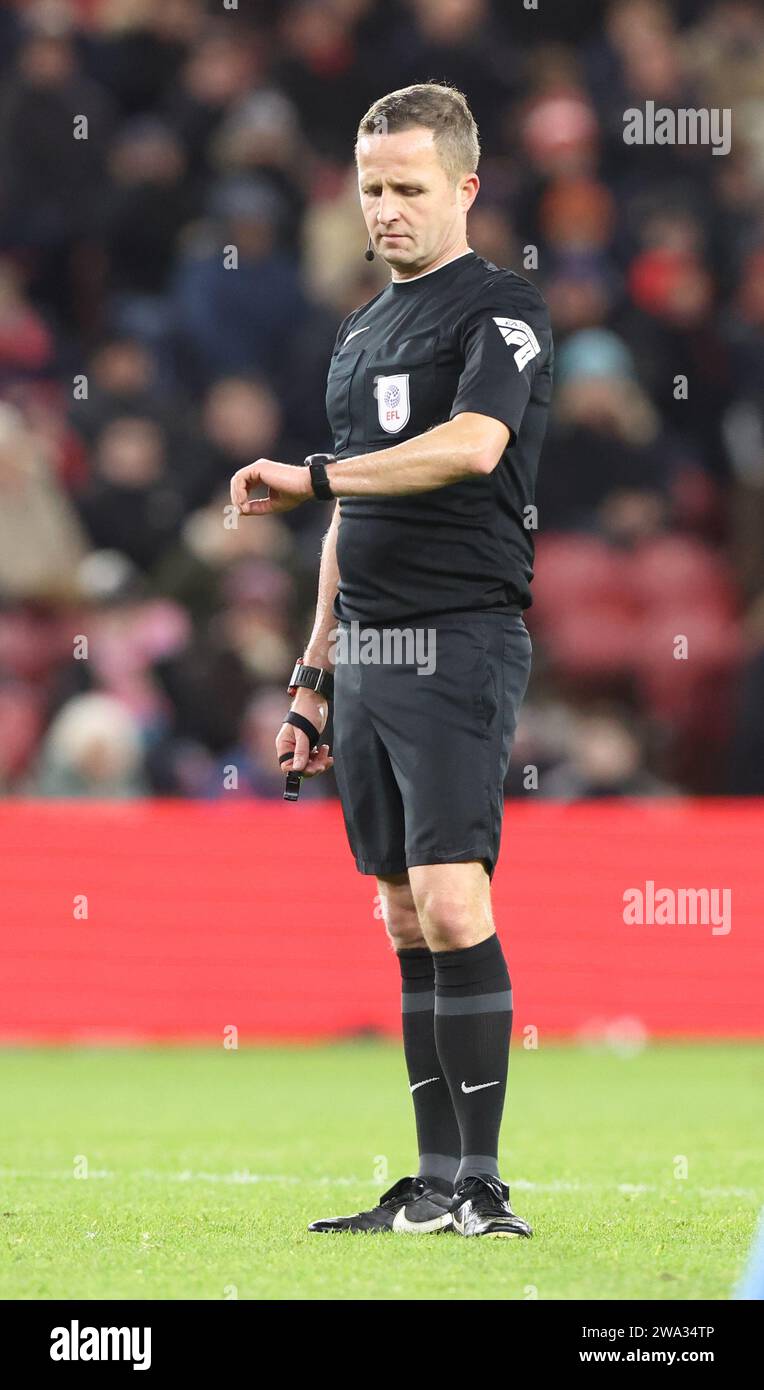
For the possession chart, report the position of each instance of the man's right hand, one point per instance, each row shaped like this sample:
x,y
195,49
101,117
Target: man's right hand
x,y
291,740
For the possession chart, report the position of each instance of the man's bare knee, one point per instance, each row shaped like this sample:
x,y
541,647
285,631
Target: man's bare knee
x,y
399,912
453,904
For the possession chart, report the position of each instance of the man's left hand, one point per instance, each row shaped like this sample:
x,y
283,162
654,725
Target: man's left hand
x,y
287,486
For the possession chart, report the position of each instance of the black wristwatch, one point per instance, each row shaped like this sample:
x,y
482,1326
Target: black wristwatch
x,y
317,465
311,678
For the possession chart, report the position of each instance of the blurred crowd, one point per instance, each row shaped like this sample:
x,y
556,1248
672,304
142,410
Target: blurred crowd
x,y
144,642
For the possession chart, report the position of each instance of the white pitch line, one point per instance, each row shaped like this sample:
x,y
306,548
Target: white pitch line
x,y
244,1177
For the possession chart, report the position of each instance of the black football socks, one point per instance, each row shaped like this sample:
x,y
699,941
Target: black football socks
x,y
436,1124
473,1023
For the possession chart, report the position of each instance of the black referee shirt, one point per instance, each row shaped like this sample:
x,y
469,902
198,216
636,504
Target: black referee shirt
x,y
468,336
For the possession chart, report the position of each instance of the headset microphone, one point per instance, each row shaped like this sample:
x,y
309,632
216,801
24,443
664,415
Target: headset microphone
x,y
368,253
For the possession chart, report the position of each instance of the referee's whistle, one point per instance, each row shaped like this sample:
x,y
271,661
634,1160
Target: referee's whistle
x,y
293,779
292,787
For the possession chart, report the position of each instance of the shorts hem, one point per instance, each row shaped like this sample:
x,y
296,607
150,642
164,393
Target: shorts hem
x,y
381,866
417,860
457,857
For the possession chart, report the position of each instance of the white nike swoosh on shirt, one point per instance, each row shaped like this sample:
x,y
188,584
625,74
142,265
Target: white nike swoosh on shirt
x,y
417,1084
481,1087
356,330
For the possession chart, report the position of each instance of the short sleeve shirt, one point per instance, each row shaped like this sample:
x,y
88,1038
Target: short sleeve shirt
x,y
468,336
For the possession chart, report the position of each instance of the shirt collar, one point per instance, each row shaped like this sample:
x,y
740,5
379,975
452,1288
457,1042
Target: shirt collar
x,y
414,279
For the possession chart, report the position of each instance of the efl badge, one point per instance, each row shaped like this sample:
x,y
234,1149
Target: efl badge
x,y
519,335
393,404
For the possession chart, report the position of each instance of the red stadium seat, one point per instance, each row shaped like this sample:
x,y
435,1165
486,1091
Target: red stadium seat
x,y
674,571
671,686
572,572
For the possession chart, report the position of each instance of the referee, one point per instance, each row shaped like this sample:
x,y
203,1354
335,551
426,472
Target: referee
x,y
437,395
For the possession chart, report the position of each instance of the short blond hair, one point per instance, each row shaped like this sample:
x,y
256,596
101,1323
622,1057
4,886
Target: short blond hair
x,y
439,108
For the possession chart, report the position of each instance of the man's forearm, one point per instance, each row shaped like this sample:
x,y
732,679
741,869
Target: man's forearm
x,y
446,454
317,651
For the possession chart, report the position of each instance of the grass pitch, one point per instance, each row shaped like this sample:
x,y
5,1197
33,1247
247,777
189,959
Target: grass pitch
x,y
169,1173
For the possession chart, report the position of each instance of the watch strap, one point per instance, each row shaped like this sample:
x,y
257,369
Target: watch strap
x,y
320,483
311,678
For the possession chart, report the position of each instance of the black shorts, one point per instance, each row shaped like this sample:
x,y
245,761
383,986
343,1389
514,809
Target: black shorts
x,y
420,759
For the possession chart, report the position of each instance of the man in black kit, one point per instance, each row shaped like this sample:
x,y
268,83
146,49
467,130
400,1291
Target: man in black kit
x,y
438,392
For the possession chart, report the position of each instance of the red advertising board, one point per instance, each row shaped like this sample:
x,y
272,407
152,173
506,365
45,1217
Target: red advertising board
x,y
124,922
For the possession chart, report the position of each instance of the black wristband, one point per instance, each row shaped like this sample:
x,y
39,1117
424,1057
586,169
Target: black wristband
x,y
306,725
321,486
